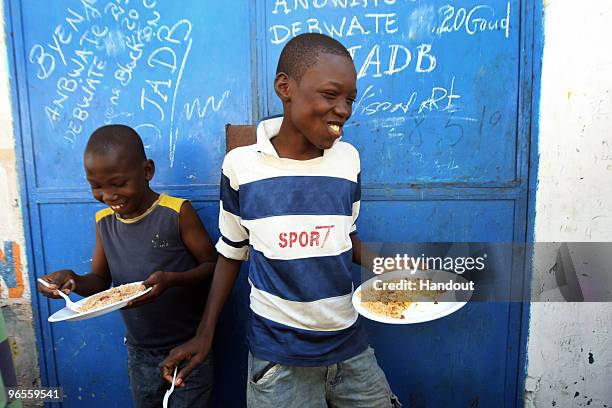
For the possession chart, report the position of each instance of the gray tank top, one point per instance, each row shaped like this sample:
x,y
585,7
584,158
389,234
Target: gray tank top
x,y
135,248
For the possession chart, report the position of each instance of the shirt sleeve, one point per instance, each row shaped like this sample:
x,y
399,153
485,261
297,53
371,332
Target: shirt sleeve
x,y
356,198
234,240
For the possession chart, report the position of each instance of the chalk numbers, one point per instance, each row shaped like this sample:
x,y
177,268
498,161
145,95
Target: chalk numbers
x,y
488,119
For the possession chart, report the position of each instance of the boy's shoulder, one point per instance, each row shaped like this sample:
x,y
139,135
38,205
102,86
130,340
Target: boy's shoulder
x,y
345,148
240,160
241,153
173,203
103,213
344,155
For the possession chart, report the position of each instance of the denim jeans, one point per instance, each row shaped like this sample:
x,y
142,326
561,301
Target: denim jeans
x,y
148,388
353,383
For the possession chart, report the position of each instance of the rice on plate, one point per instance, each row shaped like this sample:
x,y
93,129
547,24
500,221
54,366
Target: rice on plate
x,y
116,294
394,302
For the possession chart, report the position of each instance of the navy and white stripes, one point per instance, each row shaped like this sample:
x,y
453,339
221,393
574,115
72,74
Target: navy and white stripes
x,y
295,219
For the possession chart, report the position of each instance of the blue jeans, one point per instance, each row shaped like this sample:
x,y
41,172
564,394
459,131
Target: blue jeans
x,y
353,383
148,388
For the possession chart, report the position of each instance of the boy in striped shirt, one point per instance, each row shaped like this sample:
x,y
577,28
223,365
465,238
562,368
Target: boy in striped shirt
x,y
289,204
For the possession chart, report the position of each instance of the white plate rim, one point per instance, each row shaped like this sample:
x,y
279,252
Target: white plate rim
x,y
96,312
452,306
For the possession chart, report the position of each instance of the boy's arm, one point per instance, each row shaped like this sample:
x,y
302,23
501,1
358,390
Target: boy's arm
x,y
364,256
233,249
198,243
196,349
361,253
67,281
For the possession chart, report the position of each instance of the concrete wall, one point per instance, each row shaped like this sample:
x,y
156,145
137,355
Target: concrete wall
x,y
569,353
15,298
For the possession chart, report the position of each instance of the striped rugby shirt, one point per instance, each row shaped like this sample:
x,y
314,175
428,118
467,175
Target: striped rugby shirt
x,y
292,219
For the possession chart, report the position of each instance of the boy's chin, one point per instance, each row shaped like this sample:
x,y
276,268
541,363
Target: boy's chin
x,y
328,144
123,212
120,213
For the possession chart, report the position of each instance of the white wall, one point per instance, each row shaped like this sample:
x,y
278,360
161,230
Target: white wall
x,y
569,349
15,298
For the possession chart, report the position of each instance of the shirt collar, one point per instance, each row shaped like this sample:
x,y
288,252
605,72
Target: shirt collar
x,y
266,130
143,215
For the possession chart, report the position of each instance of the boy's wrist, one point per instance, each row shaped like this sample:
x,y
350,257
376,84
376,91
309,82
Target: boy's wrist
x,y
205,331
76,278
168,278
172,279
203,339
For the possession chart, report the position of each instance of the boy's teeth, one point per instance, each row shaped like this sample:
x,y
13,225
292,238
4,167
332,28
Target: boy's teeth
x,y
335,128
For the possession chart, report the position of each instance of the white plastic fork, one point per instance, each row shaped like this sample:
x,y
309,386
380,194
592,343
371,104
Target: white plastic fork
x,y
69,303
167,394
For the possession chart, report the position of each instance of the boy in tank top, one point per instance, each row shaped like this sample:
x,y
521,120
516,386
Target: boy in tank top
x,y
150,237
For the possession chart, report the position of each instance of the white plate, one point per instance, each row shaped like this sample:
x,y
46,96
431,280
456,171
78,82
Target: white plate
x,y
417,312
67,314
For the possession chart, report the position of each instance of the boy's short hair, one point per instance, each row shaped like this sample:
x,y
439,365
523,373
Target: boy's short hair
x,y
118,138
302,52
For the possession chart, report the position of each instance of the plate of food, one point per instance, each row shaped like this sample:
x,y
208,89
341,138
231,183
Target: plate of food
x,y
102,303
402,297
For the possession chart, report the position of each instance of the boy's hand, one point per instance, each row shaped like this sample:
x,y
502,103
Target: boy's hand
x,y
194,352
160,281
64,280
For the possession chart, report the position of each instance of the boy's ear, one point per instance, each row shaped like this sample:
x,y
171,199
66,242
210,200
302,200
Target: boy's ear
x,y
282,87
149,169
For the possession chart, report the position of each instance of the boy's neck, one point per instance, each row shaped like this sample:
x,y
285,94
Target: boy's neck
x,y
150,198
291,144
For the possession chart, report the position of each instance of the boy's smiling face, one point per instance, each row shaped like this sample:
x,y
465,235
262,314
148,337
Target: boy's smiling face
x,y
317,106
120,182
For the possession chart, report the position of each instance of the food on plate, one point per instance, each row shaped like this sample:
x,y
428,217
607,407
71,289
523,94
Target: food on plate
x,y
394,302
111,296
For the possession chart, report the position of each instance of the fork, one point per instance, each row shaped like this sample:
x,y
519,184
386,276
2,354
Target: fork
x,y
167,394
69,303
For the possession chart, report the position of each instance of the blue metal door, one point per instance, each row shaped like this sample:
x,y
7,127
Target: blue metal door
x,y
177,73
441,123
